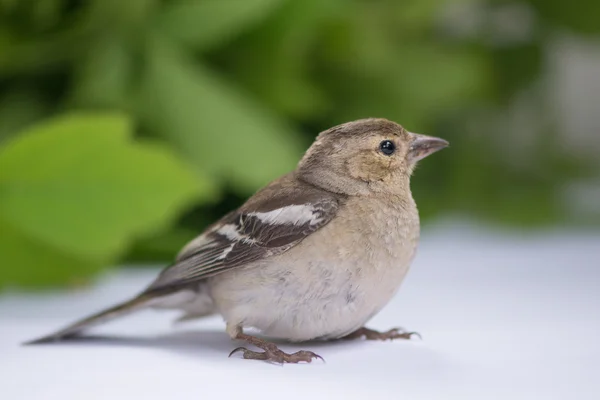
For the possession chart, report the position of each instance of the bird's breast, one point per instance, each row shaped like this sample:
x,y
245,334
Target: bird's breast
x,y
332,282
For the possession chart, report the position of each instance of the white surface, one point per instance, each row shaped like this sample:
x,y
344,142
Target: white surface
x,y
502,317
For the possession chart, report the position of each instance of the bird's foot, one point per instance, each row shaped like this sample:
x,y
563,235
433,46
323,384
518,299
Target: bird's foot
x,y
276,355
370,334
272,352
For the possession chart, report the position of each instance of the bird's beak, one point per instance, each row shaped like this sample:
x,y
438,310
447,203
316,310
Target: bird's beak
x,y
422,146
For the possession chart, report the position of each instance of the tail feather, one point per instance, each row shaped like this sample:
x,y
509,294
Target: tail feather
x,y
76,328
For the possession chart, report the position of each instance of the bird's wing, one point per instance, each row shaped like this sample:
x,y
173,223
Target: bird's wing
x,y
269,223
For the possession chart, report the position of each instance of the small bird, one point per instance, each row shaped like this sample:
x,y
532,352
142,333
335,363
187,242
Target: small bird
x,y
314,255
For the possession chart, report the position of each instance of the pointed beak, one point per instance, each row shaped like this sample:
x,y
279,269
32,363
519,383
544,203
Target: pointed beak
x,y
423,146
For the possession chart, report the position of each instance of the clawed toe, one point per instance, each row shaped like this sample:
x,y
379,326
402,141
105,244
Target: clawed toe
x,y
238,349
370,334
399,333
272,353
304,355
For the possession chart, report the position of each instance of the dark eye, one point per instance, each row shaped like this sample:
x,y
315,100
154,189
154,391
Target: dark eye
x,y
387,147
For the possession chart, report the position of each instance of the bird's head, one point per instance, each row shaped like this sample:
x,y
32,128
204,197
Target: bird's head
x,y
366,156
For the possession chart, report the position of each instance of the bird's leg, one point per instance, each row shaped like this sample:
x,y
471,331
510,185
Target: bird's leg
x,y
271,351
370,334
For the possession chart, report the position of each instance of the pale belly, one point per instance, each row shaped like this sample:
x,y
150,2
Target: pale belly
x,y
290,306
325,287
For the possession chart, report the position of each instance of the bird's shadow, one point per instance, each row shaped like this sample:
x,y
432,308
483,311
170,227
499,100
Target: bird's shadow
x,y
192,343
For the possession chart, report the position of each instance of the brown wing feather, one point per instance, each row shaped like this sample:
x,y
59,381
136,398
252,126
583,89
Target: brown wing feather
x,y
261,228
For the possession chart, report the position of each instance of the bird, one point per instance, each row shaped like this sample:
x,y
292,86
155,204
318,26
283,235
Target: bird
x,y
313,255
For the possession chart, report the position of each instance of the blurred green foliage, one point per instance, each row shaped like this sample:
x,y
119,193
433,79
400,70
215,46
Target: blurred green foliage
x,y
127,126
70,206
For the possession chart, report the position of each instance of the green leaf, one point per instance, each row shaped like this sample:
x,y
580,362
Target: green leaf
x,y
221,130
82,185
103,76
209,23
27,262
283,49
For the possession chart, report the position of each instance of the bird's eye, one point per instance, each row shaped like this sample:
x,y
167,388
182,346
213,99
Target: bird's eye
x,y
387,147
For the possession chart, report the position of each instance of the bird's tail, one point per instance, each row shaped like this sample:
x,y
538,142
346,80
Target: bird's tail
x,y
76,328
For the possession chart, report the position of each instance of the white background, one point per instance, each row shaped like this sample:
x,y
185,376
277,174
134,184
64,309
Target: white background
x,y
503,316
